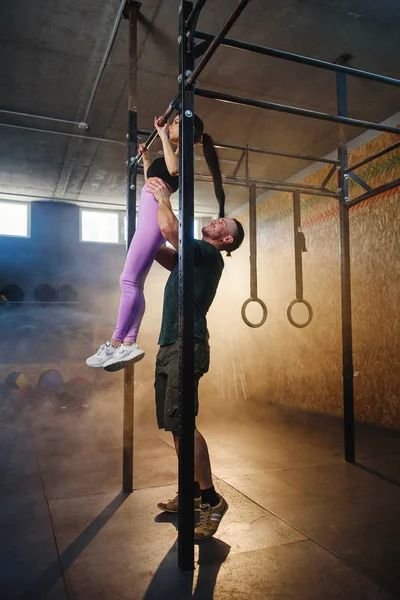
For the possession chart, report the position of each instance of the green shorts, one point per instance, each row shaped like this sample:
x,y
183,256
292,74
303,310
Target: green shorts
x,y
166,383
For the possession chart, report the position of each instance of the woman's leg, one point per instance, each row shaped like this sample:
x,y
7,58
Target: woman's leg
x,y
144,246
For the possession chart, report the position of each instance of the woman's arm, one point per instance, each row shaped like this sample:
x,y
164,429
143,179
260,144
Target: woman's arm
x,y
146,159
171,159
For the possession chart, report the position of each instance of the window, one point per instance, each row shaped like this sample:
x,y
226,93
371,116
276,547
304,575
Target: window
x,y
102,226
126,228
14,219
196,229
110,227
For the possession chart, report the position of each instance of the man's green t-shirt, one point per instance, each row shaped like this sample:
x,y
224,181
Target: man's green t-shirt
x,y
208,266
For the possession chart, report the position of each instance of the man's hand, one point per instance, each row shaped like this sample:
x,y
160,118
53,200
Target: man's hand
x,y
167,221
159,189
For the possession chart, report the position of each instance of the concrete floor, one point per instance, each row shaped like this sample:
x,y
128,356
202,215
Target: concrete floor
x,y
302,524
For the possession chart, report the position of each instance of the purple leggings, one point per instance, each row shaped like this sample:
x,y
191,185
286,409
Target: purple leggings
x,y
141,254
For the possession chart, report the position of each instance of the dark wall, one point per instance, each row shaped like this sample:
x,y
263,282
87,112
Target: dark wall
x,y
53,253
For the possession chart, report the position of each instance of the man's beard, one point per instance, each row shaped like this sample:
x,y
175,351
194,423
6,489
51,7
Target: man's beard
x,y
206,232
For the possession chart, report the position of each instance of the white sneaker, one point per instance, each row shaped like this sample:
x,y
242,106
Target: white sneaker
x,y
123,356
103,354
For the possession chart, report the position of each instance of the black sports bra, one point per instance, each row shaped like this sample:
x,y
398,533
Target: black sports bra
x,y
158,168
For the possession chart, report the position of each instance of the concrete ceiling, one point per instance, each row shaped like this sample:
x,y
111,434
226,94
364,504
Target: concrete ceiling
x,y
51,52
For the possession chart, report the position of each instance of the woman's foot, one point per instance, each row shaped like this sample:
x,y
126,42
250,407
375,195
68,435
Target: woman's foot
x,y
103,355
123,356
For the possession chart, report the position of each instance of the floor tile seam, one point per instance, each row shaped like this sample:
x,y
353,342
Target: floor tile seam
x,y
379,455
293,543
153,487
303,533
346,562
278,470
53,531
77,496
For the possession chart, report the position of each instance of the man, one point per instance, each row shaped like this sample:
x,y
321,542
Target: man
x,y
220,234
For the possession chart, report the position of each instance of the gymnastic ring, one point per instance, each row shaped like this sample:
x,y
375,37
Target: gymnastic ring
x,y
264,316
310,313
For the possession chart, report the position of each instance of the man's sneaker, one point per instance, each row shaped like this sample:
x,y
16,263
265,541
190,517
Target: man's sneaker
x,y
210,518
171,506
103,354
123,356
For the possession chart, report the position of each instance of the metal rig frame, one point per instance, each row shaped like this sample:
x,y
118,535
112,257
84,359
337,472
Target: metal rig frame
x,y
184,102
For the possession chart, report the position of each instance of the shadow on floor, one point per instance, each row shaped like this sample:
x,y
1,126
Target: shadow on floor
x,y
53,573
169,583
377,473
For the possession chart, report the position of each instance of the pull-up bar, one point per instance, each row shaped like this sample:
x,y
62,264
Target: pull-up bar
x,y
276,153
223,145
298,58
293,110
173,106
281,186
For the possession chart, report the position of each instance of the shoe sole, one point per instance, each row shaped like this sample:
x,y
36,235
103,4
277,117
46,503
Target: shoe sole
x,y
175,512
212,534
123,363
94,366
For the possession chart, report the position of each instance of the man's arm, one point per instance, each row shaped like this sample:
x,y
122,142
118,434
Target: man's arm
x,y
167,221
167,257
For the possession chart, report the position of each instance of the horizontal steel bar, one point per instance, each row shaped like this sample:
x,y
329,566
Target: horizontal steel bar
x,y
262,151
146,132
292,184
274,153
278,186
373,157
75,135
153,134
304,192
374,192
216,40
302,112
42,117
298,58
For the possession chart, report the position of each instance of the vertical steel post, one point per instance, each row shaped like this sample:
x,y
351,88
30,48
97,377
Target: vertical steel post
x,y
186,297
253,240
347,339
127,447
247,165
298,258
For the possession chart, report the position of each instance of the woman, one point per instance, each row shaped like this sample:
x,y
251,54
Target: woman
x,y
122,349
